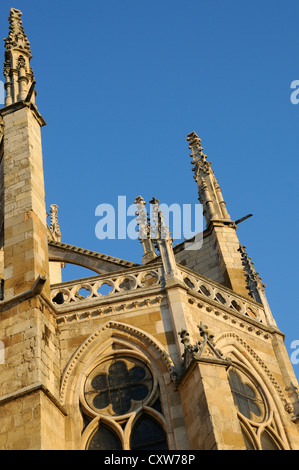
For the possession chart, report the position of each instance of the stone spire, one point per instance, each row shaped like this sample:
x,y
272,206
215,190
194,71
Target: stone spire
x,y
19,77
209,191
218,221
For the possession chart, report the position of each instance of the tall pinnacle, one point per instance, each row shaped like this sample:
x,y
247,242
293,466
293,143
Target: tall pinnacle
x,y
209,191
17,71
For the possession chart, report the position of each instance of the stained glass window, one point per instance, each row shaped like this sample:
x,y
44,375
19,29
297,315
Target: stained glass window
x,y
117,386
252,404
104,439
246,397
148,435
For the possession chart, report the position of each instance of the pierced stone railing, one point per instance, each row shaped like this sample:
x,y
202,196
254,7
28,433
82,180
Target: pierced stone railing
x,y
104,286
224,297
143,279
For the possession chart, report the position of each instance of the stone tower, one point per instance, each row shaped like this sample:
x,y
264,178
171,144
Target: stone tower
x,y
179,352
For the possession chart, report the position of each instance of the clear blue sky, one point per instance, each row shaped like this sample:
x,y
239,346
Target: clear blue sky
x,y
120,85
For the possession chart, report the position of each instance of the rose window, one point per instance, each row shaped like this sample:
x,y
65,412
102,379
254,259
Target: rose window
x,y
118,386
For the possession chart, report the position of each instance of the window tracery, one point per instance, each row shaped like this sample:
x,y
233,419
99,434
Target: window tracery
x,y
258,424
121,407
118,386
247,397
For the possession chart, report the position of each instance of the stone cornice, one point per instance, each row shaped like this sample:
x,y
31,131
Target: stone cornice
x,y
238,320
33,389
36,289
197,362
109,306
12,108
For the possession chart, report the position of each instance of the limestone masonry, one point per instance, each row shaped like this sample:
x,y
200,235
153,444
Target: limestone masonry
x,y
178,352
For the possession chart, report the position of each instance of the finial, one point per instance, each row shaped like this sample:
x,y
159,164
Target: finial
x,y
194,140
17,71
203,348
154,201
141,217
195,146
139,200
144,230
17,39
159,229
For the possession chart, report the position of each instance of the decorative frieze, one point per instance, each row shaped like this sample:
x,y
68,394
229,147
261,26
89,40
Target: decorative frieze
x,y
115,309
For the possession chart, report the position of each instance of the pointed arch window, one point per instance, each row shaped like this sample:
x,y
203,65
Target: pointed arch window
x,y
121,406
246,397
104,439
147,434
258,422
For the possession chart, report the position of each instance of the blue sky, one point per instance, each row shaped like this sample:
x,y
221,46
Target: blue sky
x,y
120,85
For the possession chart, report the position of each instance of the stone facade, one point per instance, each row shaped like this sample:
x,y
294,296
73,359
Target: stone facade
x,y
179,352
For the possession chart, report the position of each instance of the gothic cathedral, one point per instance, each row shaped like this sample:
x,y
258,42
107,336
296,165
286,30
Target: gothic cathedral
x,y
179,352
